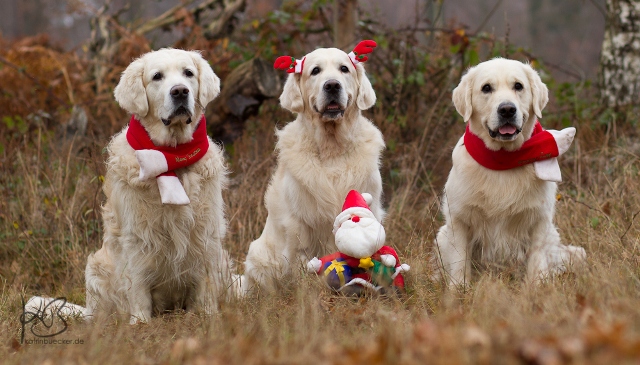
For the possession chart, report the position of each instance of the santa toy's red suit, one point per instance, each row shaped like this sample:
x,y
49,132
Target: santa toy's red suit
x,y
362,260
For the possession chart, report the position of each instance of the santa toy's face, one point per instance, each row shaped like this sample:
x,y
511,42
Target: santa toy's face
x,y
360,236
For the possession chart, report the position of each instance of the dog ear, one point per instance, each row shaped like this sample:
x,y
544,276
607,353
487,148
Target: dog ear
x,y
291,98
366,96
539,91
130,92
462,96
208,81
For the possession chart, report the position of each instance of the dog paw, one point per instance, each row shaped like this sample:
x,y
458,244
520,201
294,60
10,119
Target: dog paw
x,y
237,288
577,254
134,320
555,260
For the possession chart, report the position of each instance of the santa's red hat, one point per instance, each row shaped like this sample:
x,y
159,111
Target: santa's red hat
x,y
355,205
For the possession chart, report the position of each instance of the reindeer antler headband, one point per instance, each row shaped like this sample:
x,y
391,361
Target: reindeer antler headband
x,y
359,54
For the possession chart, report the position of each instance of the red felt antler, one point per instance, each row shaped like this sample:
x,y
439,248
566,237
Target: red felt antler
x,y
362,49
287,63
359,54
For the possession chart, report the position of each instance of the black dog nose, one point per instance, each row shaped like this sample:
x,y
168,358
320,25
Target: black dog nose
x,y
332,86
507,110
179,92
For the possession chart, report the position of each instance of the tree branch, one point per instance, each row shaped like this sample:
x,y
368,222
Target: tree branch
x,y
168,17
216,27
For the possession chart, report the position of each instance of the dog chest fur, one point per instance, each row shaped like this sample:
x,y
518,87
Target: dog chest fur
x,y
501,209
354,166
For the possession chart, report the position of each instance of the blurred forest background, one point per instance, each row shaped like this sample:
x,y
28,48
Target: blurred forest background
x,y
59,63
567,34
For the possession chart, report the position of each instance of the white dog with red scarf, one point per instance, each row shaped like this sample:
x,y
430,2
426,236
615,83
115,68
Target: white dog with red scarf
x,y
499,199
164,214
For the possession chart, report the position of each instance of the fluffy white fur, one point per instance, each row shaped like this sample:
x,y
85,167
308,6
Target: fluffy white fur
x,y
322,155
47,307
499,217
159,257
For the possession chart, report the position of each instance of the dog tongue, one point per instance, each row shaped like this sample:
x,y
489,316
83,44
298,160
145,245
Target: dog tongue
x,y
507,129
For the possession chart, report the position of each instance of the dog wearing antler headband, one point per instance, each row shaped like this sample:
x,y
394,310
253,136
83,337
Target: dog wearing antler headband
x,y
328,150
499,199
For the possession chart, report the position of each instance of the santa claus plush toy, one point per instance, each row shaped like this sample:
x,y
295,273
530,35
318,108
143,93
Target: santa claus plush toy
x,y
362,262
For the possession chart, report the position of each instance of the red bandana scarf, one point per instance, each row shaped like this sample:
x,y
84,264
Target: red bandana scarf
x,y
541,146
161,161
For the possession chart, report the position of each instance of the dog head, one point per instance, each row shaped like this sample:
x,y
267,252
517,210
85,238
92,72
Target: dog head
x,y
167,90
501,99
328,87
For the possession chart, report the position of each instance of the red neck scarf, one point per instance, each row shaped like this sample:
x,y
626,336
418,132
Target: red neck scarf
x,y
177,157
541,146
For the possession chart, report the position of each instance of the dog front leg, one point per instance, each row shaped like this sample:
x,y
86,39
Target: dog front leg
x,y
206,297
140,302
549,256
452,245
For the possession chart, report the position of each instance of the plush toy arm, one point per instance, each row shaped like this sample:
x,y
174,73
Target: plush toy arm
x,y
388,260
314,265
400,269
387,251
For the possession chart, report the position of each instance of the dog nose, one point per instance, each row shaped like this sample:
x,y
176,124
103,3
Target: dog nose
x,y
507,110
332,86
179,92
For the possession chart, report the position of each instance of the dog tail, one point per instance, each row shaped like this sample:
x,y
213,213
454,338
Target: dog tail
x,y
46,307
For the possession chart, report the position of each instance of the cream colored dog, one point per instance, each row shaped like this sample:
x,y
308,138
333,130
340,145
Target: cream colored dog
x,y
327,151
501,217
157,257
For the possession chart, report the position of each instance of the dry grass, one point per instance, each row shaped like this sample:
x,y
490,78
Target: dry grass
x,y
50,222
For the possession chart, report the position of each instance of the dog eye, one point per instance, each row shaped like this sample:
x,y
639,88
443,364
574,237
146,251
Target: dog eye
x,y
486,88
344,69
157,76
188,73
518,86
315,71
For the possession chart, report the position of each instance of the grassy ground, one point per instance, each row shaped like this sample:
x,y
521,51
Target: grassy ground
x,y
50,221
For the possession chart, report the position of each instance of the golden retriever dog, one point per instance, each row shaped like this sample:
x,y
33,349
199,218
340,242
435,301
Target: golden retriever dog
x,y
501,217
162,243
328,150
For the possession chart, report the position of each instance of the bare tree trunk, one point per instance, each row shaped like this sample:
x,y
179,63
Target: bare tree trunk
x,y
620,61
345,19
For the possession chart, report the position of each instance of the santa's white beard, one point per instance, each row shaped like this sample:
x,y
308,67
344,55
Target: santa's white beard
x,y
361,239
